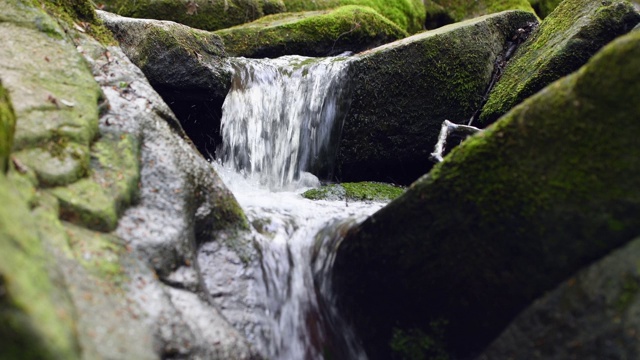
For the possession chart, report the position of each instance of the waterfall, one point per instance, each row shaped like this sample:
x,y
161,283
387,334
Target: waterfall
x,y
282,119
283,116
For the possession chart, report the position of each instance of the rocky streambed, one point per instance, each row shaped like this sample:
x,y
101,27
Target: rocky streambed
x,y
118,238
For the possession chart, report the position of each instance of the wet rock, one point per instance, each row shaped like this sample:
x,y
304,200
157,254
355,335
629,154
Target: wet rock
x,y
565,40
196,89
408,15
363,191
506,216
443,12
404,90
314,33
199,14
592,315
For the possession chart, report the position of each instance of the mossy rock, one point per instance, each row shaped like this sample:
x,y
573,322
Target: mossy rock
x,y
442,12
592,315
7,128
508,214
35,317
565,40
315,33
200,14
407,14
544,7
404,90
363,191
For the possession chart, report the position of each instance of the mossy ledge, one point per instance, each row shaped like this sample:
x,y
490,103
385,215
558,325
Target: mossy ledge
x,y
362,191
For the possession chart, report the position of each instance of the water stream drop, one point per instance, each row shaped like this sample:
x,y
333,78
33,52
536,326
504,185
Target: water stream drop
x,y
281,119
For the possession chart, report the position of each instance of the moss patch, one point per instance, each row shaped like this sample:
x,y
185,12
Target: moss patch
x,y
544,7
513,210
407,14
319,33
363,191
565,40
33,322
7,128
440,12
200,14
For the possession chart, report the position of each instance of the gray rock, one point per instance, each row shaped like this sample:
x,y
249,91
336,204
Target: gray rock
x,y
595,314
403,91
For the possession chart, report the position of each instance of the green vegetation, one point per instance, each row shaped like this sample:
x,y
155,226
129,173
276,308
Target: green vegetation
x,y
544,7
362,191
7,128
318,33
441,12
79,15
200,14
565,40
407,14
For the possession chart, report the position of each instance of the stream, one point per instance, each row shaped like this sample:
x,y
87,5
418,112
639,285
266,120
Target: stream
x,y
281,121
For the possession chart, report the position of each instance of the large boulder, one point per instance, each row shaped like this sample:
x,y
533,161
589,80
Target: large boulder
x,y
201,14
442,12
565,40
407,14
196,89
106,203
404,90
506,216
592,315
314,33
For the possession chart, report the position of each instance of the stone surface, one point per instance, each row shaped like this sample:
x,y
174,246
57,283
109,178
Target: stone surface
x,y
565,40
201,14
404,90
544,7
506,216
7,128
314,33
592,315
363,191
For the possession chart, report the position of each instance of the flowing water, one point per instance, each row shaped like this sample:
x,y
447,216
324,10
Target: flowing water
x,y
281,119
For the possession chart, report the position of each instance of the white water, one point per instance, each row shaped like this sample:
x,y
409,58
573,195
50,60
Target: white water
x,y
280,116
283,117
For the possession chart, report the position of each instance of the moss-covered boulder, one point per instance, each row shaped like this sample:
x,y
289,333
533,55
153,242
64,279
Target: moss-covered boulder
x,y
315,33
362,191
7,127
408,14
201,14
544,7
506,216
565,40
404,90
591,315
442,12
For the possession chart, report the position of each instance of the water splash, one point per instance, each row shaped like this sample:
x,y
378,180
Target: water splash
x,y
283,117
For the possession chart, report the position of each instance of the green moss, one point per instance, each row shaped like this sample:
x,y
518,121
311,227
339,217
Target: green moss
x,y
362,191
565,40
78,14
98,253
544,7
207,15
515,209
7,128
270,7
458,10
318,33
88,204
59,164
630,286
34,324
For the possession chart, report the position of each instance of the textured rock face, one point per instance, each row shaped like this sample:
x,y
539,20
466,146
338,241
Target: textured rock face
x,y
508,215
442,12
106,204
565,40
316,33
404,90
592,315
200,14
196,89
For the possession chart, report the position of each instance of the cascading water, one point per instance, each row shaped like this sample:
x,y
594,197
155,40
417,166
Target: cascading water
x,y
282,118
